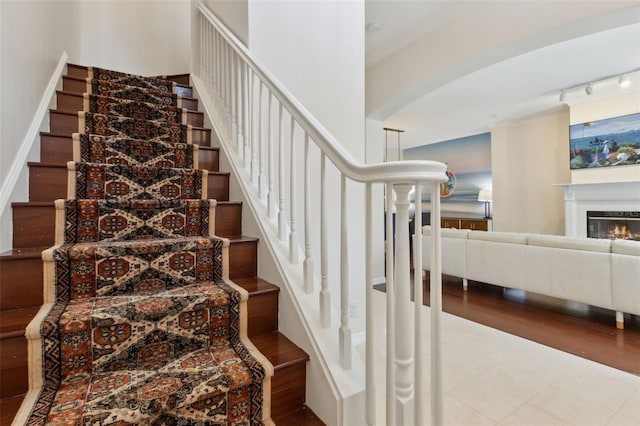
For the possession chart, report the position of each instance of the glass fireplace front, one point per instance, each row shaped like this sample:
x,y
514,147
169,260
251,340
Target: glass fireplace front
x,y
613,225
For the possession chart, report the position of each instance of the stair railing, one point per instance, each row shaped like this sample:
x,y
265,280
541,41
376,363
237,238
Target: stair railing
x,y
258,120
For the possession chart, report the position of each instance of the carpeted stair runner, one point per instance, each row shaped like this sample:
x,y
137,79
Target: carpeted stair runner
x,y
141,324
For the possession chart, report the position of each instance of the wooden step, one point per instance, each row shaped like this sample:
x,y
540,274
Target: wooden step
x,y
75,70
13,322
20,279
262,305
13,353
289,379
79,85
58,148
74,102
48,182
66,122
34,222
8,409
243,257
181,89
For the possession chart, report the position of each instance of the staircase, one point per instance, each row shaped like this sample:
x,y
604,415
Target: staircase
x,y
21,271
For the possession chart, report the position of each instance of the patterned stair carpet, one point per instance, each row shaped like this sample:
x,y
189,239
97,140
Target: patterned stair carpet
x,y
141,324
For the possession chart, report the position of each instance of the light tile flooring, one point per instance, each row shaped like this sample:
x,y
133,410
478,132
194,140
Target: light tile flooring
x,y
494,378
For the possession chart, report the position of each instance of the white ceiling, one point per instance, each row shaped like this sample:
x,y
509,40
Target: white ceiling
x,y
525,85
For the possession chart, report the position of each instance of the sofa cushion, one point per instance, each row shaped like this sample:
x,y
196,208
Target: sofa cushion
x,y
447,232
631,248
499,237
561,242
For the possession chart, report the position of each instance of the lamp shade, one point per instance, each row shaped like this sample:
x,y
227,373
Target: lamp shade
x,y
485,195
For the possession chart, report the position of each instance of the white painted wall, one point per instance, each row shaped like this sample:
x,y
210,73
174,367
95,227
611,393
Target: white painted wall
x,y
316,50
144,37
33,37
613,106
234,14
137,36
527,159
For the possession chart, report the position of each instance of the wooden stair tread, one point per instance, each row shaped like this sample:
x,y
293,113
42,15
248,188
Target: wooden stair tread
x,y
14,321
23,253
301,417
8,408
280,351
75,70
255,285
239,238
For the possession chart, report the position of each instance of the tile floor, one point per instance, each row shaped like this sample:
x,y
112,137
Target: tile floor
x,y
494,378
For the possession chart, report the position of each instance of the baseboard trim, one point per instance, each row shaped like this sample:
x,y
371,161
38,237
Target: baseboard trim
x,y
8,186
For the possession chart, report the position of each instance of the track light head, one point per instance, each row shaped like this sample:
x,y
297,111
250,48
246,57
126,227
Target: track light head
x,y
563,96
589,89
624,81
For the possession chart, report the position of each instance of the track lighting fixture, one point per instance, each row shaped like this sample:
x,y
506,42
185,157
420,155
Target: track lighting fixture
x,y
624,81
563,96
589,89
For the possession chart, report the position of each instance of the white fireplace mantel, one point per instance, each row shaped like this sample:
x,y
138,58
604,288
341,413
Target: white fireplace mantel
x,y
581,197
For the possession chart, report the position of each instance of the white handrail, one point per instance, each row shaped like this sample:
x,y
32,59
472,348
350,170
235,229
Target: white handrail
x,y
230,76
395,172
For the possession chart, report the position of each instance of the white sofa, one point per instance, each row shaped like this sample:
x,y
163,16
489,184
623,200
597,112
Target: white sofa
x,y
596,272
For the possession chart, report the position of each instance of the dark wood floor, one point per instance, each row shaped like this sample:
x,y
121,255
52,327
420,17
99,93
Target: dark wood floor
x,y
575,328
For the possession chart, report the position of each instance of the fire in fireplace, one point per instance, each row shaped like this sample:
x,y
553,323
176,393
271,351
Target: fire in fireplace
x,y
613,225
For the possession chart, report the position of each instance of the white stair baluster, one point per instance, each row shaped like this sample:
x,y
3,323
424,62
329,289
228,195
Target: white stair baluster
x,y
345,329
293,232
419,393
404,330
271,195
308,262
255,131
391,319
262,181
325,295
435,283
282,214
370,379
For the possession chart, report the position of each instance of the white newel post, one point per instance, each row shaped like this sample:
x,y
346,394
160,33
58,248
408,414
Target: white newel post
x,y
404,329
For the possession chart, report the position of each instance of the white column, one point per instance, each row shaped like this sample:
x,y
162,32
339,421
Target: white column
x,y
404,329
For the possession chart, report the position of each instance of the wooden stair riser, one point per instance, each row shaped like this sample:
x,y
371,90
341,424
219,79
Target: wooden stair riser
x,y
34,223
67,123
21,283
13,353
79,85
263,313
288,390
57,148
243,258
74,102
48,182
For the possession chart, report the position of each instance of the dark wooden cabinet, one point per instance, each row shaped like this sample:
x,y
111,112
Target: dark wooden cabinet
x,y
462,223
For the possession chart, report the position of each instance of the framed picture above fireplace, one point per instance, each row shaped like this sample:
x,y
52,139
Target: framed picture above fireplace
x,y
605,143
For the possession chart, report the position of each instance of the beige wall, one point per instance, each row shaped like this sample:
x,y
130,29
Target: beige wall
x,y
527,159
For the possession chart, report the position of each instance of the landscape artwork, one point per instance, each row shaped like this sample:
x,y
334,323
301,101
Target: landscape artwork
x,y
604,143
